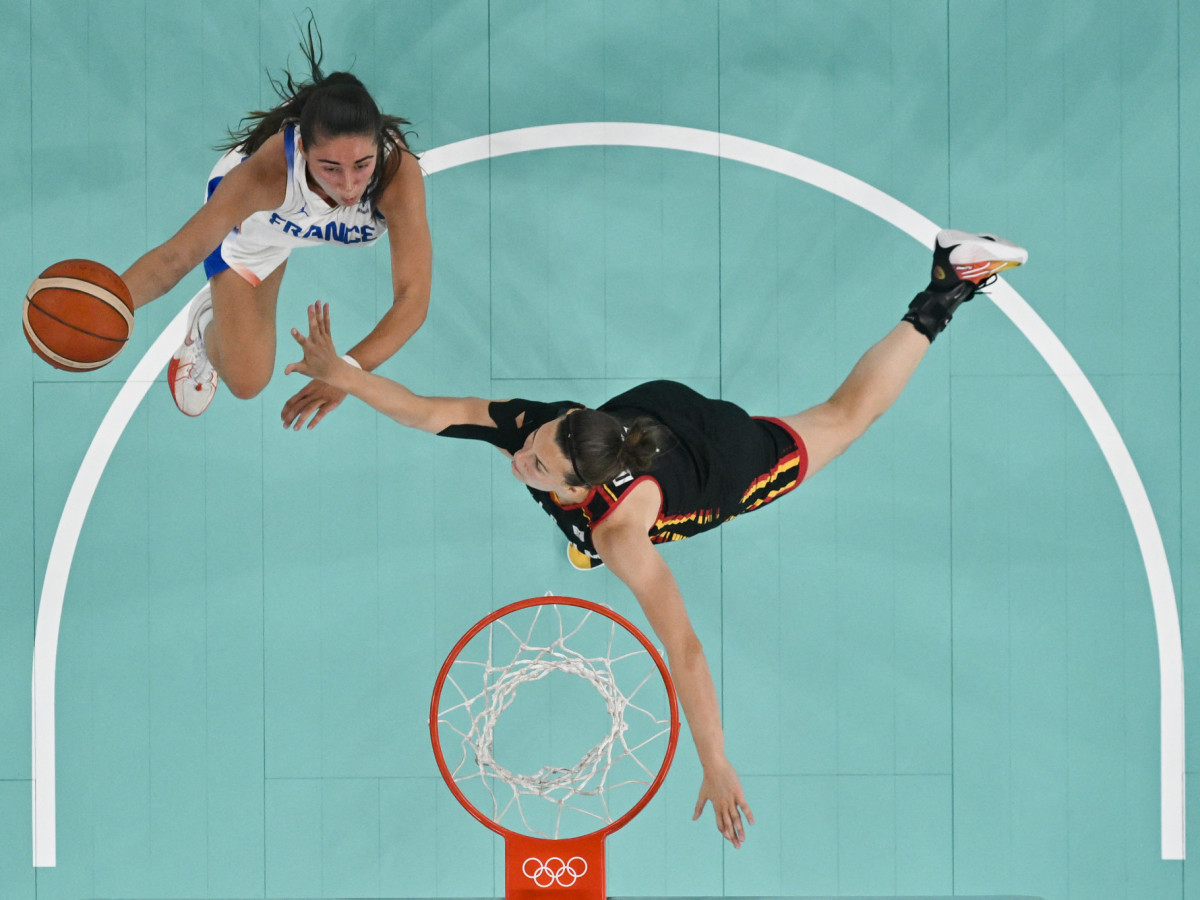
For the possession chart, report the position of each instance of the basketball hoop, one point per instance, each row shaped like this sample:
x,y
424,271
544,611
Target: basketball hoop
x,y
554,820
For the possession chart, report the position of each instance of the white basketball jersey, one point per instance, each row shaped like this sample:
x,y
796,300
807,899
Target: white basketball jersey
x,y
304,219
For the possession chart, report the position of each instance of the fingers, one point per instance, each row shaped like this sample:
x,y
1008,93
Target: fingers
x,y
746,809
295,410
289,415
322,412
318,319
729,804
730,826
315,343
311,405
736,832
298,366
308,407
728,817
303,342
327,405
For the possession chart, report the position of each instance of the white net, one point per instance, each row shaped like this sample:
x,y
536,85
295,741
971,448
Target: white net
x,y
581,744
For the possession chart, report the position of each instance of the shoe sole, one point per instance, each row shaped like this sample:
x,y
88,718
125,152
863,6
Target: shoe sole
x,y
977,272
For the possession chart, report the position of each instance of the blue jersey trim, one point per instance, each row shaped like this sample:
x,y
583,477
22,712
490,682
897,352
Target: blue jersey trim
x,y
289,147
214,262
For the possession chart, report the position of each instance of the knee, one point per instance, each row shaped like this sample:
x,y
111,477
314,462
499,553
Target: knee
x,y
245,385
242,370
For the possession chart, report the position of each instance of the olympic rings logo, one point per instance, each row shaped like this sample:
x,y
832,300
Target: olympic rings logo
x,y
555,871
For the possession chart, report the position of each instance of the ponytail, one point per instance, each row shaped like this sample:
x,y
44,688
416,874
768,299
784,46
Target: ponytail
x,y
600,447
325,106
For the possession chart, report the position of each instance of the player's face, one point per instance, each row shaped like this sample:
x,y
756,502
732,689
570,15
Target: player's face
x,y
540,464
342,166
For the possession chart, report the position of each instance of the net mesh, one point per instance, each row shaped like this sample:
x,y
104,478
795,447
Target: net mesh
x,y
523,648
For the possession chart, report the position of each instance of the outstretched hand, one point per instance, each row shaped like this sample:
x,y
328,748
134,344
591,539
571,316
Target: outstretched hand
x,y
722,787
319,354
316,399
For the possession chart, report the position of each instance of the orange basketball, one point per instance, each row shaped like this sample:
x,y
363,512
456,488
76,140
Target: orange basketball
x,y
78,314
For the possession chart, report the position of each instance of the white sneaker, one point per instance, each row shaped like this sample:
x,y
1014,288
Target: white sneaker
x,y
976,258
963,263
190,376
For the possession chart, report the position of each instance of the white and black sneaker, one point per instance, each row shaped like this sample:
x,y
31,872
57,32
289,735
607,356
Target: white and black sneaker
x,y
977,258
963,263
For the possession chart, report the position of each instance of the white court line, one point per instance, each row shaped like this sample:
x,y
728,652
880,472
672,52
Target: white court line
x,y
58,568
691,140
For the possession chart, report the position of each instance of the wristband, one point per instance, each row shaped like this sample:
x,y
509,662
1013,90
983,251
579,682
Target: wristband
x,y
354,362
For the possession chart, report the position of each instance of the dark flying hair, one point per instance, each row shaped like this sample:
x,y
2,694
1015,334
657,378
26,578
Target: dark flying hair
x,y
325,106
600,447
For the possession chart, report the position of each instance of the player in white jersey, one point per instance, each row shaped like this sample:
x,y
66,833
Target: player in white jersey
x,y
322,167
262,243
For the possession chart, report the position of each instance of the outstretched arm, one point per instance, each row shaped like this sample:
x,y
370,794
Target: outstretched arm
x,y
403,206
257,183
625,547
394,400
411,249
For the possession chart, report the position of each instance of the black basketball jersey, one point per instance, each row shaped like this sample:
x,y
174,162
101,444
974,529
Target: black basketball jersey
x,y
721,462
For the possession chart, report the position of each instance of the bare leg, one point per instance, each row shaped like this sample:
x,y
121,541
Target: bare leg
x,y
961,263
240,339
872,386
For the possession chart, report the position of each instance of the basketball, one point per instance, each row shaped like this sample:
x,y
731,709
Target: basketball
x,y
78,314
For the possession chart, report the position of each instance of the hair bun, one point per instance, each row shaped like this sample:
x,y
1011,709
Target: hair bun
x,y
600,447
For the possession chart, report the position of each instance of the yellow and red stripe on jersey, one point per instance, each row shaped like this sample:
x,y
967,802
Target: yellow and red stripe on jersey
x,y
676,528
784,476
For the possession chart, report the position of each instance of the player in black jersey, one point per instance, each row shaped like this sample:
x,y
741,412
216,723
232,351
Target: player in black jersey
x,y
661,463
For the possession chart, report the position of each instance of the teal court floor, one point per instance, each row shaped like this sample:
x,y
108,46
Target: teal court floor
x,y
939,661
